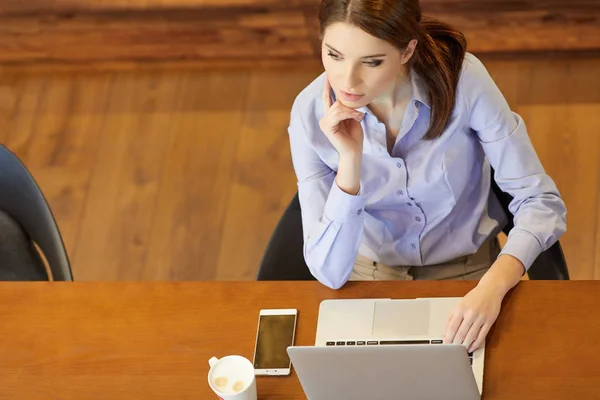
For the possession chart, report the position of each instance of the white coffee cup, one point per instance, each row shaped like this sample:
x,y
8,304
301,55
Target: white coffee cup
x,y
232,378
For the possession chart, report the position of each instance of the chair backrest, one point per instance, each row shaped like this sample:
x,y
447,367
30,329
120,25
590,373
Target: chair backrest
x,y
22,199
550,264
283,259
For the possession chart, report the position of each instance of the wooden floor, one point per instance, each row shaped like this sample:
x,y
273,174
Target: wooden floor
x,y
182,175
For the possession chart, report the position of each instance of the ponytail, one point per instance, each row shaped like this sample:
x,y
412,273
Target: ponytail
x,y
438,61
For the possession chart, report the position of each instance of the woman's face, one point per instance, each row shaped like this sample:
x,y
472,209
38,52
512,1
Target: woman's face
x,y
360,67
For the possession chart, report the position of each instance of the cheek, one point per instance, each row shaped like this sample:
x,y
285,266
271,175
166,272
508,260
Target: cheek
x,y
333,70
382,82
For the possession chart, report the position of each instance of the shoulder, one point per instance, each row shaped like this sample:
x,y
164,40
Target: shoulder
x,y
308,101
487,110
475,84
307,109
473,73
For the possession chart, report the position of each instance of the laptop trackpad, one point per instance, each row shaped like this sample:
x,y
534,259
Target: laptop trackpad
x,y
398,318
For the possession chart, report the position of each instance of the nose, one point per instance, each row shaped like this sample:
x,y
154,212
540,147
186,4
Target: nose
x,y
351,79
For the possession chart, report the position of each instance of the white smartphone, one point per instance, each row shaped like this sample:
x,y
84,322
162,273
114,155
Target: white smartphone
x,y
276,332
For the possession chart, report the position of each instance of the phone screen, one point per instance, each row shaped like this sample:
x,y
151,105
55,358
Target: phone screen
x,y
275,334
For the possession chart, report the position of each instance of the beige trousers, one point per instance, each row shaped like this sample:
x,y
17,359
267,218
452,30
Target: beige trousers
x,y
471,267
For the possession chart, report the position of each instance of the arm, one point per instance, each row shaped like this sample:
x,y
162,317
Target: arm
x,y
540,213
332,217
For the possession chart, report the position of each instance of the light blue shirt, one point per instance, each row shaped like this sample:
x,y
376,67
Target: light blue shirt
x,y
429,202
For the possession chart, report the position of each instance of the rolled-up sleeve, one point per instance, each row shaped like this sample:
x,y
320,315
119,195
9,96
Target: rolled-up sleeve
x,y
539,212
332,219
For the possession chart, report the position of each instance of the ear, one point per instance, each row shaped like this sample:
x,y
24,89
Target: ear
x,y
409,51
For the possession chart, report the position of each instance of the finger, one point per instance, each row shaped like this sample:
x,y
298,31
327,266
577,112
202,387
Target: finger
x,y
473,333
452,327
339,113
464,328
448,320
485,329
326,94
331,123
339,104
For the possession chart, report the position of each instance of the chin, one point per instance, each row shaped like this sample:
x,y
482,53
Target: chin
x,y
353,104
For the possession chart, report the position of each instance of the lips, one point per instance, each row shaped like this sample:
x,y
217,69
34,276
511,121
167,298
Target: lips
x,y
351,97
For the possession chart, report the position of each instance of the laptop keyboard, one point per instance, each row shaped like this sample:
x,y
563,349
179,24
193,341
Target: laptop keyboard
x,y
388,343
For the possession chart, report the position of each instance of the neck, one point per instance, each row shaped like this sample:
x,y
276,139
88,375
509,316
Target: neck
x,y
386,106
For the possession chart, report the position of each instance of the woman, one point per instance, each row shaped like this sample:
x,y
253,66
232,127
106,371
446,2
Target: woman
x,y
392,147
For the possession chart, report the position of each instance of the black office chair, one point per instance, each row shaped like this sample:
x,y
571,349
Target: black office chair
x,y
284,256
22,199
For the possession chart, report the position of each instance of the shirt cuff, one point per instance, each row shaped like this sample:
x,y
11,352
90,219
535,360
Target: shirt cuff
x,y
523,246
340,205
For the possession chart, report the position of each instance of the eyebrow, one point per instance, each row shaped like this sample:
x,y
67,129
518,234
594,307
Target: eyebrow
x,y
371,56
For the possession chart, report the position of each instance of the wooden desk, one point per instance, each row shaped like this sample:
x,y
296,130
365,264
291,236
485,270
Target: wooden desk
x,y
153,340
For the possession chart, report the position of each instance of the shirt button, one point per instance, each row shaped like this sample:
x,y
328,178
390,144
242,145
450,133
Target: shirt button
x,y
409,204
400,192
418,219
417,104
399,164
413,246
359,212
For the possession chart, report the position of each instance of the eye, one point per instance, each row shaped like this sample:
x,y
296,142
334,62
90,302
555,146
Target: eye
x,y
374,63
333,55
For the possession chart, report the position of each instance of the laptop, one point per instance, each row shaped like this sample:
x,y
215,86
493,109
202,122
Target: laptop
x,y
389,348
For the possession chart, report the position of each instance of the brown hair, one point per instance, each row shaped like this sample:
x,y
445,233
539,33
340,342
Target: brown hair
x,y
438,56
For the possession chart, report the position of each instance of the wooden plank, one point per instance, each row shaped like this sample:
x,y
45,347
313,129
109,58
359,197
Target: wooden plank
x,y
264,181
597,256
525,32
195,184
20,123
11,7
119,213
278,65
240,30
9,93
223,35
428,6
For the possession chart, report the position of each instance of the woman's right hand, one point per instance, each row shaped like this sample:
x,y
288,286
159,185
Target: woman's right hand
x,y
341,125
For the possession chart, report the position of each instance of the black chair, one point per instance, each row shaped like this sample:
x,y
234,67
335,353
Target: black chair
x,y
22,199
284,256
283,259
